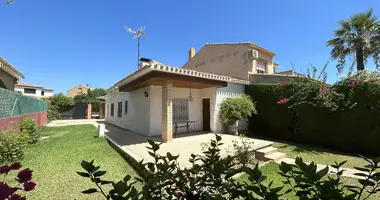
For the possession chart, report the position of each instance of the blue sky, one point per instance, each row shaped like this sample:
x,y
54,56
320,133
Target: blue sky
x,y
62,43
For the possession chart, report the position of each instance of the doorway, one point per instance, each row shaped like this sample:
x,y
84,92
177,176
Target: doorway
x,y
206,114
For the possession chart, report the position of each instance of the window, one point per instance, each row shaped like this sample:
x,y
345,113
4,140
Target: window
x,y
126,107
112,107
180,109
29,91
261,67
119,109
42,93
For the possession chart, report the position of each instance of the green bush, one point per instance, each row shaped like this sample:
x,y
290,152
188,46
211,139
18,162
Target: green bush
x,y
10,146
28,129
236,108
349,123
57,104
211,177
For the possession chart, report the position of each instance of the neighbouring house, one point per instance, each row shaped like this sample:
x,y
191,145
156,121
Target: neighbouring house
x,y
243,60
158,99
9,75
78,90
33,90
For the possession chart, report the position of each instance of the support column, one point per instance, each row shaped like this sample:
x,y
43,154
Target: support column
x,y
101,112
167,111
89,111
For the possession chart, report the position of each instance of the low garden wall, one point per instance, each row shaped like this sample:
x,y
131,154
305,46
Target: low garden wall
x,y
40,118
355,130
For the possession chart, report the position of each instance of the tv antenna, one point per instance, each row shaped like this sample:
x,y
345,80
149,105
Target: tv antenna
x,y
137,34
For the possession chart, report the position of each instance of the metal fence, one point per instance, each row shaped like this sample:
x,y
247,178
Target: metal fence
x,y
13,104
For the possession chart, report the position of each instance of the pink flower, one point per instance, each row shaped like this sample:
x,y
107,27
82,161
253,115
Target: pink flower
x,y
282,101
323,90
16,166
353,85
17,197
29,186
283,83
5,190
4,169
24,175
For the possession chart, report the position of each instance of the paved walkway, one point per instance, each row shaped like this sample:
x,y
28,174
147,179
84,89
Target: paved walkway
x,y
184,144
75,122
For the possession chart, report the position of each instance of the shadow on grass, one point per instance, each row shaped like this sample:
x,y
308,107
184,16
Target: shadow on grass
x,y
301,148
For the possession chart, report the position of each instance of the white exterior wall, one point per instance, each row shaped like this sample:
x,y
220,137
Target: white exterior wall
x,y
145,113
48,93
195,108
137,118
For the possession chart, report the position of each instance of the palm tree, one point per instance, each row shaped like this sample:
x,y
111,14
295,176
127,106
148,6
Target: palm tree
x,y
359,36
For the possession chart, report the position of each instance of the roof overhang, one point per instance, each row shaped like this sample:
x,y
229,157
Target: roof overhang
x,y
183,78
10,69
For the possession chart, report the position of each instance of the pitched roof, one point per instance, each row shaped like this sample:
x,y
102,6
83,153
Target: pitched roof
x,y
10,69
153,65
253,45
32,86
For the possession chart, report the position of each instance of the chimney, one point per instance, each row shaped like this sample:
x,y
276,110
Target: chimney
x,y
191,52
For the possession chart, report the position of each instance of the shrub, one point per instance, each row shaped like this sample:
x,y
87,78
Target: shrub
x,y
10,146
236,108
243,151
320,114
211,177
57,104
28,129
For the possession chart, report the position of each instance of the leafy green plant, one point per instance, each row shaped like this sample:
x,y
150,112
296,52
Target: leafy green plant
x,y
57,104
244,153
211,176
28,129
236,108
22,182
10,146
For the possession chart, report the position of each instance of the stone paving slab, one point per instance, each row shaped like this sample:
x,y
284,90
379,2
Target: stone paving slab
x,y
183,144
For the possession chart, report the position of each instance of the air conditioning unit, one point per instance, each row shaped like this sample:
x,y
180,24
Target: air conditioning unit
x,y
253,54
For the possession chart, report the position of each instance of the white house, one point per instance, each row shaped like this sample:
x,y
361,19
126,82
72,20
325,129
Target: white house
x,y
33,90
162,100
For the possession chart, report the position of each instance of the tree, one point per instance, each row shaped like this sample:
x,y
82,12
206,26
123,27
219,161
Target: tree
x,y
359,36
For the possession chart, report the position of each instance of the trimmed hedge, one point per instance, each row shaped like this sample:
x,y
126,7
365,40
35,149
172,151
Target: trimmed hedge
x,y
355,130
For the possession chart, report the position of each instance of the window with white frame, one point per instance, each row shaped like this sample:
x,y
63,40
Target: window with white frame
x,y
180,109
261,67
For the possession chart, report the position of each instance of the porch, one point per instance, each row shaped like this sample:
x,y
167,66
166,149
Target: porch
x,y
134,145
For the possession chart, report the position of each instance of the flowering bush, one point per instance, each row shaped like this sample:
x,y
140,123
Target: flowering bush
x,y
24,182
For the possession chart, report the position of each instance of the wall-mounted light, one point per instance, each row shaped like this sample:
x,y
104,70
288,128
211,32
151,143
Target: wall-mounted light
x,y
146,94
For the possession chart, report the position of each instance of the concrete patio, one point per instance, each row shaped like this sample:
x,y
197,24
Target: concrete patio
x,y
185,144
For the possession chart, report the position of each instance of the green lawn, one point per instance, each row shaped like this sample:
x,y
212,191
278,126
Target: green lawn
x,y
270,170
318,155
55,160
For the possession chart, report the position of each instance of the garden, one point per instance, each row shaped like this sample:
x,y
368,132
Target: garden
x,y
55,159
